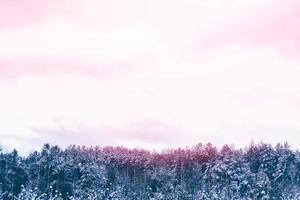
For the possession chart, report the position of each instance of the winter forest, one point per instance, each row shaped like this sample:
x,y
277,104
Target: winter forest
x,y
259,171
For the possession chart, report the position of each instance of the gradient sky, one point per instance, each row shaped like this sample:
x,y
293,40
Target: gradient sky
x,y
147,73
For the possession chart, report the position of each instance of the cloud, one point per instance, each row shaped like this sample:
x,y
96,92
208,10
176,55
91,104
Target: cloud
x,y
147,132
273,25
148,73
16,14
61,48
20,13
90,37
56,68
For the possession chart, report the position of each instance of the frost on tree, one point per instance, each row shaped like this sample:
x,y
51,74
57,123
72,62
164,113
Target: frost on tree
x,y
202,172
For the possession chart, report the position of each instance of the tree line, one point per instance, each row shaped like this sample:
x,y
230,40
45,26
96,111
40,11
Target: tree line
x,y
259,171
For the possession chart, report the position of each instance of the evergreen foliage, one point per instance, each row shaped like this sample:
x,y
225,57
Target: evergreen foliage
x,y
202,172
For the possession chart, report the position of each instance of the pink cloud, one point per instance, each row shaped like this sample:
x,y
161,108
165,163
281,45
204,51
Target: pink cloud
x,y
18,13
20,68
14,13
171,82
40,50
275,25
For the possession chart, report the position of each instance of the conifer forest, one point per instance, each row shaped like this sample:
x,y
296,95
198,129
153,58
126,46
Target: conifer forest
x,y
202,172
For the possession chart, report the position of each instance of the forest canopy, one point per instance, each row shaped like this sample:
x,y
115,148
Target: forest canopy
x,y
259,171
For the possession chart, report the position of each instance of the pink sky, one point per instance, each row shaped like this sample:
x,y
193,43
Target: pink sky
x,y
153,74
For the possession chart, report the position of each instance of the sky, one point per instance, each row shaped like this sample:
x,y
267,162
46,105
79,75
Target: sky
x,y
148,73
